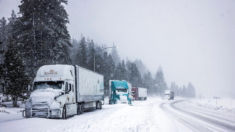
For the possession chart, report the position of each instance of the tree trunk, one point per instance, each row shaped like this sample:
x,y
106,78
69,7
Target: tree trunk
x,y
15,98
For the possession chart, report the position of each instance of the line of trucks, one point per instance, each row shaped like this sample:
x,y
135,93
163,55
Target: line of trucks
x,y
61,91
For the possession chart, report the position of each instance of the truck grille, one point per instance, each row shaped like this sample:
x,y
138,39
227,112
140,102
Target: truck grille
x,y
40,110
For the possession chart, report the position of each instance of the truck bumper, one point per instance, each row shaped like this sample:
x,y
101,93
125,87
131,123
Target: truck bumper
x,y
42,112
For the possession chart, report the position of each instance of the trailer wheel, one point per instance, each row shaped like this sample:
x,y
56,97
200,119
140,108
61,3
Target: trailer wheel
x,y
79,110
64,114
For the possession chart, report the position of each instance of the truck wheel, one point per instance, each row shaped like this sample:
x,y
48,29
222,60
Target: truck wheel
x,y
27,113
79,109
64,114
97,105
100,105
82,108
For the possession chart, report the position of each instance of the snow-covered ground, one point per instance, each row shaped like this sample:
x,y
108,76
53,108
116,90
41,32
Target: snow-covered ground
x,y
227,105
141,116
153,115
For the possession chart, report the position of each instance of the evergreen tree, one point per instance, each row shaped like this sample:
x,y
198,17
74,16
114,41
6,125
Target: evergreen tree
x,y
43,37
160,82
134,76
115,56
108,68
82,53
191,90
149,83
120,71
184,92
74,51
141,67
91,55
16,80
3,38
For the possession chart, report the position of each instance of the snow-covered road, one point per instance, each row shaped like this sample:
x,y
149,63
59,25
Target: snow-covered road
x,y
198,119
153,115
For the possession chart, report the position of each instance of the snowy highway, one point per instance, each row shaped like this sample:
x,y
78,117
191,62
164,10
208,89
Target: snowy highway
x,y
198,119
154,115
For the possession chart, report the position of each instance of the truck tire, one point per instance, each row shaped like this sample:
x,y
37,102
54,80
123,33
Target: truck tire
x,y
79,110
64,113
82,108
28,113
97,105
100,105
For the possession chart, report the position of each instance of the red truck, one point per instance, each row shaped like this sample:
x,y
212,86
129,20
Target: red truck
x,y
139,93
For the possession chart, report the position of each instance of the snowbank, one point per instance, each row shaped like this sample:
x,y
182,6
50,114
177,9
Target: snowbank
x,y
227,105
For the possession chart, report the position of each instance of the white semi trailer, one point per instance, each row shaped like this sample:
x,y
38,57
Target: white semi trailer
x,y
60,91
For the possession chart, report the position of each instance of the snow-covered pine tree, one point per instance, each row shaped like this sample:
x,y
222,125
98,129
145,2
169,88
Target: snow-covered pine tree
x,y
191,90
141,67
124,70
184,92
16,79
121,72
12,21
81,57
118,70
160,82
105,70
148,83
3,38
90,57
134,75
74,51
43,36
115,55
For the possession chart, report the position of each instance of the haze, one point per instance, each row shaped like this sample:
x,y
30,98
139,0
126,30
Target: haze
x,y
193,41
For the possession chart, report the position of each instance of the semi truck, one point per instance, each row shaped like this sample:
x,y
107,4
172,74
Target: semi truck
x,y
120,92
169,95
139,93
61,91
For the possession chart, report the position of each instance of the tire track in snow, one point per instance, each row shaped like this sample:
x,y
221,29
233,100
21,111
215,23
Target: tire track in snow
x,y
209,120
191,125
204,113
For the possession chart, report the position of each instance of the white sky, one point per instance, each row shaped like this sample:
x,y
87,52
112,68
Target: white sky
x,y
193,40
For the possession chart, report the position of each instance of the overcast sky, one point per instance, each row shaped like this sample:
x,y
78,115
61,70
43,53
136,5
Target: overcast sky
x,y
192,40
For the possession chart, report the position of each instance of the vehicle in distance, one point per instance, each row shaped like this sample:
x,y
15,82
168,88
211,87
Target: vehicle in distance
x,y
120,92
169,95
139,93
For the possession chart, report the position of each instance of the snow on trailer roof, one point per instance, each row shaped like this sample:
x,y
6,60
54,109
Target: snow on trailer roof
x,y
119,84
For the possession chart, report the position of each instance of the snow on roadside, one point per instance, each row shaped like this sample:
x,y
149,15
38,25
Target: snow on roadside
x,y
227,105
142,116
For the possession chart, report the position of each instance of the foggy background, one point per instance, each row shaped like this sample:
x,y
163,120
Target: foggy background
x,y
193,41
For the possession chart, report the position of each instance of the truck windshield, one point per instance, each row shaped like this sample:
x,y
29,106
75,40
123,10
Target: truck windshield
x,y
122,90
51,84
